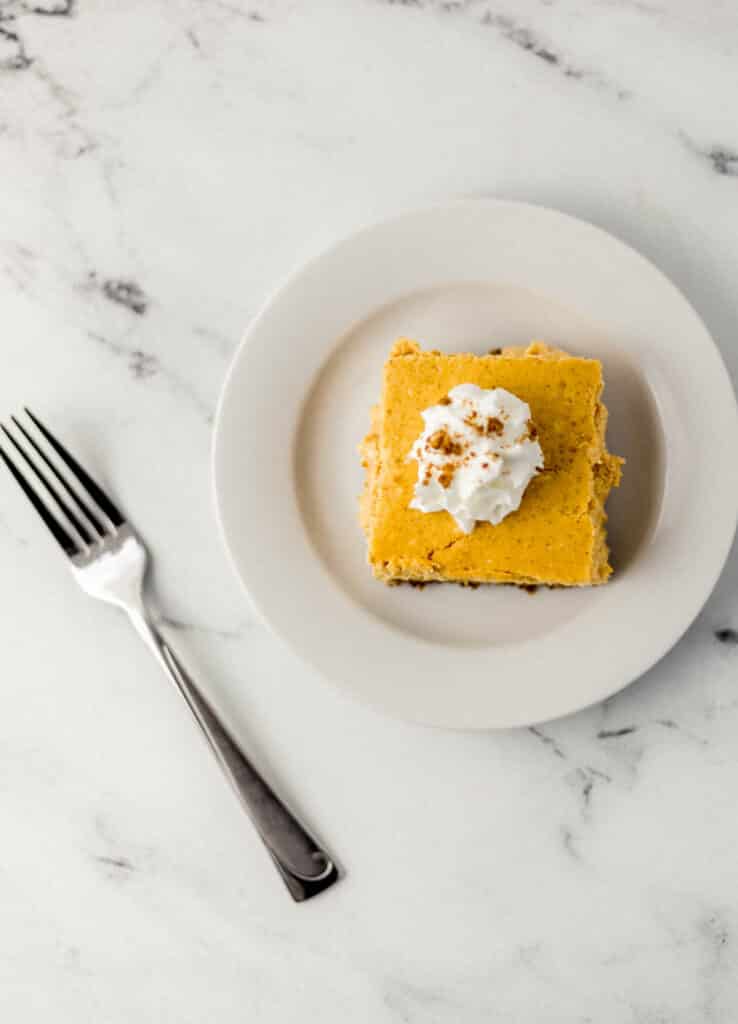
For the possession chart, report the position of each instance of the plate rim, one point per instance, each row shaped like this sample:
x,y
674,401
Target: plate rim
x,y
728,406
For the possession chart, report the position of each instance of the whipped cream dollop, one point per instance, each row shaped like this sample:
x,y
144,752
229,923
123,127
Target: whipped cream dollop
x,y
476,456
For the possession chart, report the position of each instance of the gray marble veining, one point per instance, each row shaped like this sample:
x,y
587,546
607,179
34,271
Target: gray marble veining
x,y
163,166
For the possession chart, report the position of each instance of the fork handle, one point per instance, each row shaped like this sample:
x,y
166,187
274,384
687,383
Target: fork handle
x,y
304,866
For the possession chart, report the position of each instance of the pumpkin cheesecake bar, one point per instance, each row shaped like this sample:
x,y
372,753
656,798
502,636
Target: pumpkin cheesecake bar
x,y
554,535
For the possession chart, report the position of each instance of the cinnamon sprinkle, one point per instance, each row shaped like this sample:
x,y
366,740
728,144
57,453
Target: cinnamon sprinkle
x,y
442,441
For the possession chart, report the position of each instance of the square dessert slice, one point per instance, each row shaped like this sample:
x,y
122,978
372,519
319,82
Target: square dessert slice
x,y
557,536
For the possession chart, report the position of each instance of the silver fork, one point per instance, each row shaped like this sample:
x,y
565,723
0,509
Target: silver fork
x,y
109,562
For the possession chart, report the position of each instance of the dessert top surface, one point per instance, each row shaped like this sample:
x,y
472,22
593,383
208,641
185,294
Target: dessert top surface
x,y
550,535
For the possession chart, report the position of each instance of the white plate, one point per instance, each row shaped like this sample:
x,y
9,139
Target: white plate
x,y
468,277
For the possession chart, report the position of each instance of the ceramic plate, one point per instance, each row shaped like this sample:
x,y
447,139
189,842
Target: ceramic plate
x,y
468,277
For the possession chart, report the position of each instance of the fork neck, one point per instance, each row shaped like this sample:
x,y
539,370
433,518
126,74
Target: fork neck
x,y
145,627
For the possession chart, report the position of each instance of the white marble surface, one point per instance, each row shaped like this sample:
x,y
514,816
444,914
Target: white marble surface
x,y
162,165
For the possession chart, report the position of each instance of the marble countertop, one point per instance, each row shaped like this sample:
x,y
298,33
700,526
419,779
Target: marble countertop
x,y
162,166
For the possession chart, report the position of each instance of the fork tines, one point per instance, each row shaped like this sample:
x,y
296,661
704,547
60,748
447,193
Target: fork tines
x,y
76,522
